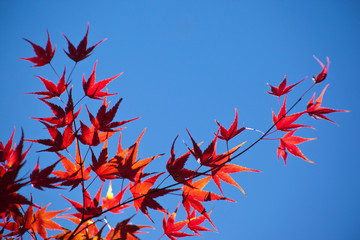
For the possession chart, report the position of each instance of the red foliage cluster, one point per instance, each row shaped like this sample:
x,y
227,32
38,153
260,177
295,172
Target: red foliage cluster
x,y
20,215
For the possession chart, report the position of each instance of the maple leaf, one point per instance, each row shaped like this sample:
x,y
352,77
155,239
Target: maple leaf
x,y
81,52
204,158
40,179
93,137
72,176
125,230
103,120
175,166
12,162
315,110
90,208
172,228
193,196
43,56
88,228
287,122
22,223
110,201
233,130
10,156
289,142
59,141
62,117
126,164
322,75
208,157
7,150
93,90
282,88
222,173
42,221
144,189
101,167
194,223
53,90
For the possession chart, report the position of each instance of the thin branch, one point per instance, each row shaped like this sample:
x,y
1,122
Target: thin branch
x,y
197,174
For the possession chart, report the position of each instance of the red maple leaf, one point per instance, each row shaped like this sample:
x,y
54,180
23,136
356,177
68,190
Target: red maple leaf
x,y
175,166
315,110
194,223
40,179
289,142
207,156
81,52
286,123
101,166
233,130
10,156
93,137
193,196
90,207
322,75
110,201
59,141
86,229
104,118
52,89
22,223
72,175
92,89
12,160
282,88
125,161
62,117
125,230
7,150
149,194
43,56
172,228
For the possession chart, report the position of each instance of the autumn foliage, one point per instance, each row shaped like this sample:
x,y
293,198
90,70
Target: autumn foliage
x,y
81,157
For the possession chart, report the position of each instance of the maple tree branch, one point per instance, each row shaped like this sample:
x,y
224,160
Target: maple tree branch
x,y
274,124
207,171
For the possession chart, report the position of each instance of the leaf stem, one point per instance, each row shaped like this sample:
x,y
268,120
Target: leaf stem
x,y
54,70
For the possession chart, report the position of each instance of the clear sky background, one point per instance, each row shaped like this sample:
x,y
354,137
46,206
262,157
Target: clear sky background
x,y
187,63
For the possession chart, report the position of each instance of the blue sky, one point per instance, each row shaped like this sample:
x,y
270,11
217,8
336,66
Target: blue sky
x,y
187,63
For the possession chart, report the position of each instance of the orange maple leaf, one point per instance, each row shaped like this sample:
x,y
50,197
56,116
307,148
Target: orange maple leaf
x,y
139,189
42,221
222,173
193,196
126,164
72,176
